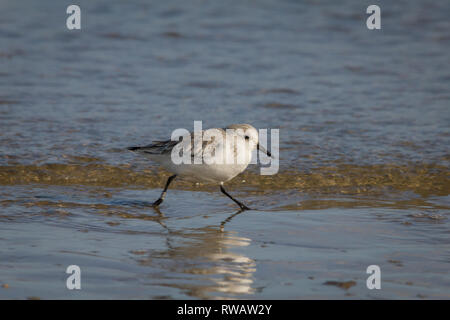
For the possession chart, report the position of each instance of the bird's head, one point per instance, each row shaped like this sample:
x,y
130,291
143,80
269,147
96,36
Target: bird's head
x,y
250,135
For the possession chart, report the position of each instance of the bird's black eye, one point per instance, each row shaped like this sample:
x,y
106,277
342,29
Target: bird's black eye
x,y
247,137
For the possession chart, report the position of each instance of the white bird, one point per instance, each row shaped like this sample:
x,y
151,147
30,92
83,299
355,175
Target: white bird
x,y
219,155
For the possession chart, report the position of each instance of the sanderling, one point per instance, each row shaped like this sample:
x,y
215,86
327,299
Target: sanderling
x,y
237,141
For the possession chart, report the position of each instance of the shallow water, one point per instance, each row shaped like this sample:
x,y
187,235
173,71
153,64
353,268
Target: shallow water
x,y
364,157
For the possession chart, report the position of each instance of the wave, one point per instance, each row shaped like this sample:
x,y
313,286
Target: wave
x,y
423,179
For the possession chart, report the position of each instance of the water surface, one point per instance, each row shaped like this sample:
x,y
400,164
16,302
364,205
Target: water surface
x,y
364,157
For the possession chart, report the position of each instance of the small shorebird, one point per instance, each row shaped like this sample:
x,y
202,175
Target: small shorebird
x,y
234,145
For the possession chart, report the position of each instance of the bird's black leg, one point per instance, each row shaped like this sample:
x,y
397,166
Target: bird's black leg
x,y
163,194
240,204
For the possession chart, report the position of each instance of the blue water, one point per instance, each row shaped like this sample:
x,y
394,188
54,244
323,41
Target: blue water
x,y
376,102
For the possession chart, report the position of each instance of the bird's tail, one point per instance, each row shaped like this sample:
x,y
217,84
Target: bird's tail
x,y
157,147
134,148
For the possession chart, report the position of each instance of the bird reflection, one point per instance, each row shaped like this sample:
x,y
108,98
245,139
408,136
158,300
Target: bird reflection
x,y
201,261
224,222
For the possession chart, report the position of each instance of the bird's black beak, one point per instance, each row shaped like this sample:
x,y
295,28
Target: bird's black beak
x,y
263,150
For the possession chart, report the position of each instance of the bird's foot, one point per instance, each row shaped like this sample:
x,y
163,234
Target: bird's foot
x,y
244,207
157,203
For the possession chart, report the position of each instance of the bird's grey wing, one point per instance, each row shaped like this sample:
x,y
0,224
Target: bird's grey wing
x,y
189,145
212,142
